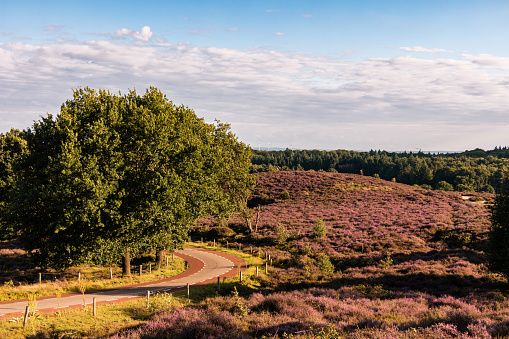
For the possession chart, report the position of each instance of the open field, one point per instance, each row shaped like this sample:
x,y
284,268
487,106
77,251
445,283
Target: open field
x,y
396,261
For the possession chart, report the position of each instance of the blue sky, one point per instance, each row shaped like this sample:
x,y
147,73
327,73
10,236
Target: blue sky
x,y
394,75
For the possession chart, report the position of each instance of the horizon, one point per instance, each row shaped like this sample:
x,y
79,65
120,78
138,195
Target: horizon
x,y
342,74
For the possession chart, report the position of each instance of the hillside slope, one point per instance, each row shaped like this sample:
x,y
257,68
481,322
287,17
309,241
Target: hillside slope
x,y
399,235
397,261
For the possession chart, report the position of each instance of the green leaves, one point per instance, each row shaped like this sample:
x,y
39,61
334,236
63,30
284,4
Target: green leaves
x,y
498,244
112,171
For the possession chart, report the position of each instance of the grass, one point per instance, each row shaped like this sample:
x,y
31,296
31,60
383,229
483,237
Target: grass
x,y
82,324
91,278
112,318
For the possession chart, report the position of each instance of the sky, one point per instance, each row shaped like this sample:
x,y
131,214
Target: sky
x,y
394,75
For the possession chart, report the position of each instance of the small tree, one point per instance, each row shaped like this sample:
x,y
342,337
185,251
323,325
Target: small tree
x,y
498,245
319,231
325,265
281,234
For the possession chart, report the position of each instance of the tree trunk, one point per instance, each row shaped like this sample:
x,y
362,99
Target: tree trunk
x,y
126,269
247,216
257,218
160,256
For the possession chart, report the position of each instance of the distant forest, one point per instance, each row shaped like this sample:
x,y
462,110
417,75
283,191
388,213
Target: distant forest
x,y
476,170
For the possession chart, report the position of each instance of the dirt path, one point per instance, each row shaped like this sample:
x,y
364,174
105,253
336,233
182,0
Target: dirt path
x,y
204,268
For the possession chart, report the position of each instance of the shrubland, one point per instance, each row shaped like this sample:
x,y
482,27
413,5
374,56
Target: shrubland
x,y
396,261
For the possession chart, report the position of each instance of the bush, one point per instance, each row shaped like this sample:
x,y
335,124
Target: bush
x,y
444,186
325,265
281,234
319,231
285,195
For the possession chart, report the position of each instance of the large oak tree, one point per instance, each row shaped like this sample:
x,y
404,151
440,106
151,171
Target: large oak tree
x,y
115,175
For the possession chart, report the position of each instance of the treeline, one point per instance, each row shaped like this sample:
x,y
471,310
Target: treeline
x,y
476,170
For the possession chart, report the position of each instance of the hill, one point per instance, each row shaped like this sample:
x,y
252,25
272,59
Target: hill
x,y
397,260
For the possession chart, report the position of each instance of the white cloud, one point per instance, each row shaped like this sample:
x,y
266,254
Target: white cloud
x,y
424,49
53,28
278,97
279,33
488,60
272,10
144,35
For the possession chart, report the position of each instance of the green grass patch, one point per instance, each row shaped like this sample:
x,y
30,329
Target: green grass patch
x,y
81,323
91,278
112,318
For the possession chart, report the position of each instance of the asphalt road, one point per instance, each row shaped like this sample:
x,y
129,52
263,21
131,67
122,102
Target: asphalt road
x,y
204,268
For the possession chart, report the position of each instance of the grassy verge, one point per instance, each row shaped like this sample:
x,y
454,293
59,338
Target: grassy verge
x,y
114,317
91,278
82,324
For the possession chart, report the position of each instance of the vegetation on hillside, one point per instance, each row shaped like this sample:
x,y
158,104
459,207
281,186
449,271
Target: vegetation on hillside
x,y
405,262
477,170
396,260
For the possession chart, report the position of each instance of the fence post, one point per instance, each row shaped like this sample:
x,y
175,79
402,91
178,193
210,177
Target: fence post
x,y
94,312
111,273
149,268
40,278
148,298
266,268
240,277
256,270
251,249
227,245
166,261
187,291
26,316
141,267
214,242
79,277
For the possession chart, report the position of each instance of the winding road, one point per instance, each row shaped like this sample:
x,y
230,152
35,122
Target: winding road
x,y
204,268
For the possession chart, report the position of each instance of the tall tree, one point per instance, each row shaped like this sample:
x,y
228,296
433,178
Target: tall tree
x,y
12,148
114,176
498,245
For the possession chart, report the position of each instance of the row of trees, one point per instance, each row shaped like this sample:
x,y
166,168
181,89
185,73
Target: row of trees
x,y
476,170
113,176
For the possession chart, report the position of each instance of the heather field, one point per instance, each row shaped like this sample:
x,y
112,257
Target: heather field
x,y
349,257
396,261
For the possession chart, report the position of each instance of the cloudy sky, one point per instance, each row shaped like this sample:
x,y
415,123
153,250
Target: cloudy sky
x,y
329,74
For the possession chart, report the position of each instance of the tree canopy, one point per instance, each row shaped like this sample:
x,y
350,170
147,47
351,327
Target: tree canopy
x,y
116,173
498,244
12,148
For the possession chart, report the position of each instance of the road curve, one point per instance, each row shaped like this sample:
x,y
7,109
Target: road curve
x,y
203,268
